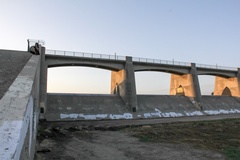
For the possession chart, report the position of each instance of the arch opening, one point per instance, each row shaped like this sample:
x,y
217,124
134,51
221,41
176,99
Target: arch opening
x,y
83,80
180,91
206,83
152,83
226,92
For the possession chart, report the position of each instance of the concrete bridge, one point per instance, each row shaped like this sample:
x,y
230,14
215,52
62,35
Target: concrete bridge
x,y
184,82
26,97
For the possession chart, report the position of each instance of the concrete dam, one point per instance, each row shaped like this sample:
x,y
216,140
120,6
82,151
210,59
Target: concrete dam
x,y
24,98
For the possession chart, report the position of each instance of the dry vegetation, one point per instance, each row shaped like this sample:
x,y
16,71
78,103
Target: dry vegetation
x,y
221,135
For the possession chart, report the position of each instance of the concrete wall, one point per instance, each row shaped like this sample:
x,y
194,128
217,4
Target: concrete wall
x,y
19,112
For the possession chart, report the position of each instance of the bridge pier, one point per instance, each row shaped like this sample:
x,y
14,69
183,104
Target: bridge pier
x,y
187,85
227,86
123,84
43,83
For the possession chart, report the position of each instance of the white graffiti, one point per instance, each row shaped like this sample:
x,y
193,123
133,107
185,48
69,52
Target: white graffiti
x,y
195,113
119,116
156,114
221,111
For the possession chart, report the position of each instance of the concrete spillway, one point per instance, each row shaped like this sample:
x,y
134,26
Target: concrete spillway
x,y
65,107
165,103
80,107
220,102
99,104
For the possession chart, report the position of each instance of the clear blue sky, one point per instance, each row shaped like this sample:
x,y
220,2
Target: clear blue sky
x,y
200,31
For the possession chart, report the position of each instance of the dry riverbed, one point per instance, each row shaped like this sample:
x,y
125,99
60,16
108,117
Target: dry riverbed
x,y
186,140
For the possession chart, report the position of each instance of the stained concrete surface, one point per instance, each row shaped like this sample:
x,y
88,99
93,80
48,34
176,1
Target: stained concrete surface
x,y
11,63
64,107
165,103
100,104
220,102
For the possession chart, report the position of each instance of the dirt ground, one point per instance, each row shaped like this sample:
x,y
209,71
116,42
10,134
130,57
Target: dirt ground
x,y
185,140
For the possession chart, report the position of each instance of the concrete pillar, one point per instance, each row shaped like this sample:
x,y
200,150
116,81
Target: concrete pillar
x,y
43,83
123,83
190,85
233,84
196,86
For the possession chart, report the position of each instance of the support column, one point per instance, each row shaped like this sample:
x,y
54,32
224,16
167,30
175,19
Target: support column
x,y
189,84
227,86
123,84
196,86
43,83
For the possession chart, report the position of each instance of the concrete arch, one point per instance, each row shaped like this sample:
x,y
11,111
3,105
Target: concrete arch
x,y
224,75
112,65
219,73
110,68
180,70
165,71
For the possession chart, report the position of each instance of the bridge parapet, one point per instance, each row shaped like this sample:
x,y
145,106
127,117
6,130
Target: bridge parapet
x,y
158,61
216,67
136,59
85,55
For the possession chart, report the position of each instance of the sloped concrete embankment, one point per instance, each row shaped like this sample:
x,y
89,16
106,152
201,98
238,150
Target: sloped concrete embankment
x,y
65,107
83,106
11,64
19,113
154,106
214,105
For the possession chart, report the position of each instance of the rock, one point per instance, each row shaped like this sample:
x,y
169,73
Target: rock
x,y
46,144
44,150
146,127
45,133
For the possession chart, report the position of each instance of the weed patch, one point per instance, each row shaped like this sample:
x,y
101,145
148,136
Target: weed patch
x,y
232,153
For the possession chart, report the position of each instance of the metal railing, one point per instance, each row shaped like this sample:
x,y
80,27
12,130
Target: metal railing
x,y
216,67
157,61
135,59
86,55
